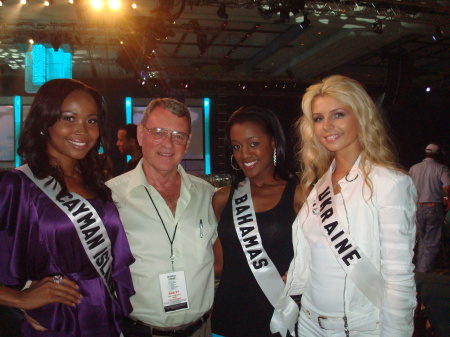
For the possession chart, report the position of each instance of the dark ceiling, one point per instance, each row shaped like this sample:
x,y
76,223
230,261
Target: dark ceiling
x,y
283,41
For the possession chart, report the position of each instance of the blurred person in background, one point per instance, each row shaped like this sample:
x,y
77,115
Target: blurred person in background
x,y
432,181
128,144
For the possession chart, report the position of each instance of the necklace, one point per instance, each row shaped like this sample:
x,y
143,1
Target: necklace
x,y
346,179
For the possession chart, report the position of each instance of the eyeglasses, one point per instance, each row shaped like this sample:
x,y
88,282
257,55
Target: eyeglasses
x,y
159,134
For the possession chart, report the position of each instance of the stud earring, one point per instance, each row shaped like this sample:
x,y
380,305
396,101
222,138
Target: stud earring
x,y
236,169
275,157
41,133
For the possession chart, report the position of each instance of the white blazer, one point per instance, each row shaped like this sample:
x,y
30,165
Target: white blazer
x,y
384,228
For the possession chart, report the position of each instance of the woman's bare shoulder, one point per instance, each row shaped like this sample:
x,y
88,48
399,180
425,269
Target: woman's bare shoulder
x,y
221,195
220,199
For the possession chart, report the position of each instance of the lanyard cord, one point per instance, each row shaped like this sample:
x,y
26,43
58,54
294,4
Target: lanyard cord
x,y
172,257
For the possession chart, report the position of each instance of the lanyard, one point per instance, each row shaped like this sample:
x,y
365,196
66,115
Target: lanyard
x,y
172,257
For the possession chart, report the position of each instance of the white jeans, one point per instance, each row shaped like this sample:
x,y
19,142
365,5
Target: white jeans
x,y
309,327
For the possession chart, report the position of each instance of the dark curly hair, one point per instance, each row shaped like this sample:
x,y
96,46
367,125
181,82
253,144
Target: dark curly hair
x,y
46,111
272,127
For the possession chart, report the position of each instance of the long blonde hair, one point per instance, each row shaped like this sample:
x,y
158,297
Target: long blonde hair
x,y
375,144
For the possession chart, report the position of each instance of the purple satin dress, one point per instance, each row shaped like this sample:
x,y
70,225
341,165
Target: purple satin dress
x,y
37,240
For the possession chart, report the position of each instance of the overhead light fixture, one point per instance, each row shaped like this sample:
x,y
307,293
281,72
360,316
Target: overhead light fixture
x,y
49,2
282,9
114,4
23,2
306,22
97,4
284,16
222,11
377,26
2,2
437,34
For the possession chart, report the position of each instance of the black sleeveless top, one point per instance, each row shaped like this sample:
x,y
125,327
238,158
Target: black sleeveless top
x,y
240,307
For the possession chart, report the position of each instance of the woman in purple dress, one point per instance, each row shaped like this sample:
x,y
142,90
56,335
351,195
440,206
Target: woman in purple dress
x,y
61,239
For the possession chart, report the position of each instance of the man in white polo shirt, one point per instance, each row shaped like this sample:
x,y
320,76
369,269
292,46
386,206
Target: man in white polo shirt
x,y
171,228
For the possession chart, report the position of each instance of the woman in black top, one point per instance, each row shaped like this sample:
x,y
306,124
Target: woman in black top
x,y
242,307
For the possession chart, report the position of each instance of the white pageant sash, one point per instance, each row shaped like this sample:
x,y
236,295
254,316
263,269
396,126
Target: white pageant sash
x,y
266,274
88,224
351,258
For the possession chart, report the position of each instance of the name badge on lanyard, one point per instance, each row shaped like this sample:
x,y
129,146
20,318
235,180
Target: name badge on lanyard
x,y
173,291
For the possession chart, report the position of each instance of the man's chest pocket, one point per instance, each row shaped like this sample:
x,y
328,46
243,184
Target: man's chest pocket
x,y
203,244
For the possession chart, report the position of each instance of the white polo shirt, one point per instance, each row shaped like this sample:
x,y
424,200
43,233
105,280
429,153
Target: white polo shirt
x,y
151,247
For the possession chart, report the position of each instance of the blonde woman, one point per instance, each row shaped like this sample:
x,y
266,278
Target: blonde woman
x,y
353,237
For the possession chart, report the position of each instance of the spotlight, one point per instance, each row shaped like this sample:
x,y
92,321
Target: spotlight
x,y
114,4
23,2
437,34
306,22
377,27
97,4
1,2
49,2
222,11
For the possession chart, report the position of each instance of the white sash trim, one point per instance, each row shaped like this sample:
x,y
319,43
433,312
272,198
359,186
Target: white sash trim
x,y
351,258
266,274
88,224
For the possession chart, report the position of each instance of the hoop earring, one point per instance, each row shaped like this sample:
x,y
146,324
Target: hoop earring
x,y
275,157
236,169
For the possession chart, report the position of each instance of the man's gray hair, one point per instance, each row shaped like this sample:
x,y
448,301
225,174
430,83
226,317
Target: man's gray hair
x,y
176,107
